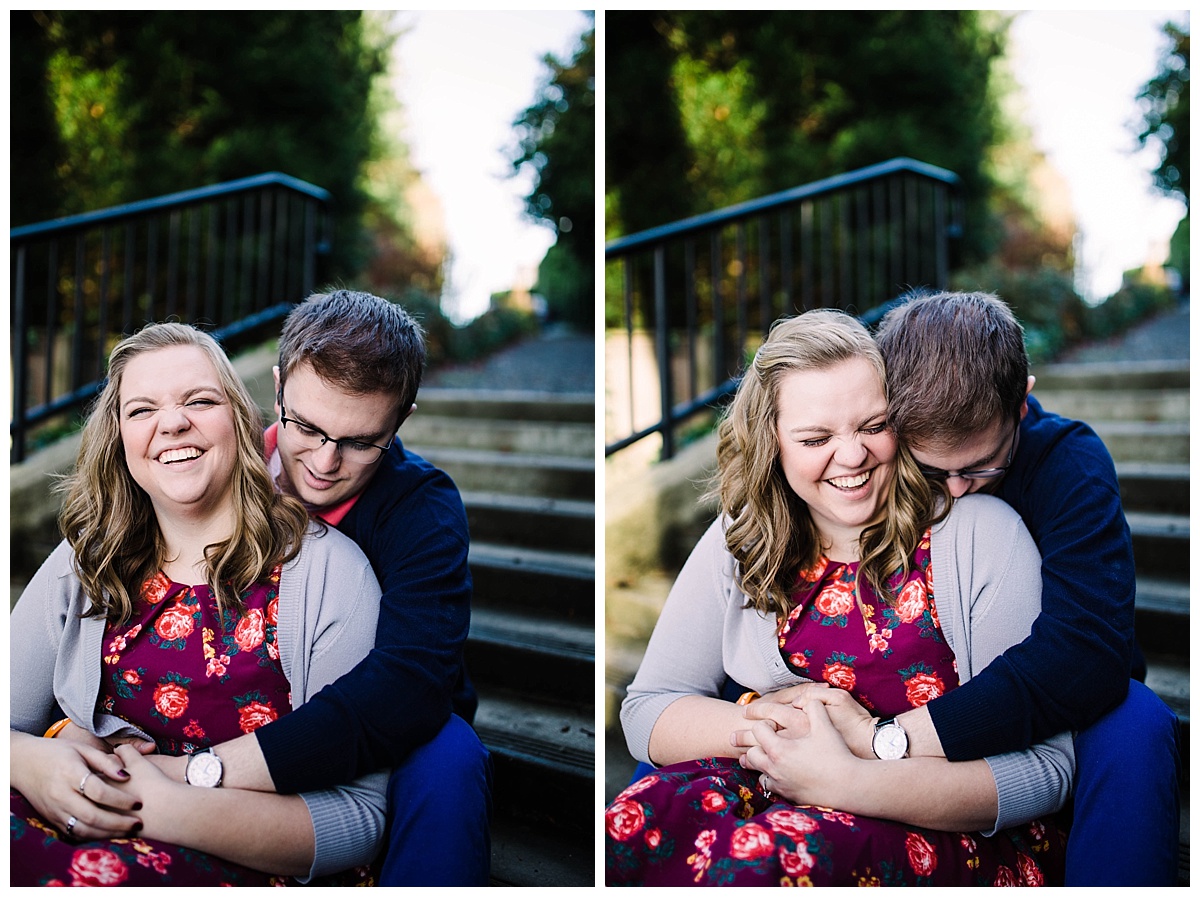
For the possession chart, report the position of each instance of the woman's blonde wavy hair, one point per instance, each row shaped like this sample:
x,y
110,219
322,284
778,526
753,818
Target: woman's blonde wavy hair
x,y
110,523
771,533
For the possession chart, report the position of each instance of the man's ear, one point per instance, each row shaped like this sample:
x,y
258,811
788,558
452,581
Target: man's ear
x,y
275,374
407,414
1025,402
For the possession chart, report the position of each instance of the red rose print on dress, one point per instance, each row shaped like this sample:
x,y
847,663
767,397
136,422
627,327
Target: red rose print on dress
x,y
653,838
624,819
155,588
751,841
839,670
171,699
95,867
1005,878
792,823
921,684
273,612
250,630
174,623
713,801
836,599
913,601
921,855
640,785
796,864
1031,874
254,712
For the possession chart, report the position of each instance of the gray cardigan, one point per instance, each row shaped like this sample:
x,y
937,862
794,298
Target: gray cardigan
x,y
328,605
986,570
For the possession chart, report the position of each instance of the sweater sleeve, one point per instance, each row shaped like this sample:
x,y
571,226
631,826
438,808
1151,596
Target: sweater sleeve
x,y
990,561
400,695
1074,666
684,654
339,599
35,634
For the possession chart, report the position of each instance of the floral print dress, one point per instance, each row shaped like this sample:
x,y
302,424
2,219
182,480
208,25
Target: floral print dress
x,y
191,677
708,822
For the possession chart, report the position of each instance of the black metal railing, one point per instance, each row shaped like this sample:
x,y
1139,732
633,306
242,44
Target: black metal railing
x,y
234,256
686,304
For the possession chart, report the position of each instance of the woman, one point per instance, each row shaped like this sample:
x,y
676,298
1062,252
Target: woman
x,y
188,604
821,568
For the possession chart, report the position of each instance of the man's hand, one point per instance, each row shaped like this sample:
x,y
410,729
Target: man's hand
x,y
787,721
852,721
810,769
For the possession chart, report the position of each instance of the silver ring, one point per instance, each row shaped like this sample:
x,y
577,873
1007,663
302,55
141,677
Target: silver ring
x,y
83,783
762,783
71,823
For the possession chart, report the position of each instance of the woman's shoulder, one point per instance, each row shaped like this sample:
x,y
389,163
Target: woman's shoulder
x,y
324,544
979,508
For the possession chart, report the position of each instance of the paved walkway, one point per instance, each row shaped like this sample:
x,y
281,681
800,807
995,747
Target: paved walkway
x,y
557,360
1166,337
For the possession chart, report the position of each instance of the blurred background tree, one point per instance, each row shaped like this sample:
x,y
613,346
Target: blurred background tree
x,y
556,138
1165,105
707,109
128,105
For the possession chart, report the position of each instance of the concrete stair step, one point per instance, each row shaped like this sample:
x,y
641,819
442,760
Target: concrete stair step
x,y
522,405
1160,544
1113,375
555,476
1157,441
533,521
535,437
558,583
511,650
1163,612
544,758
531,855
1163,488
1098,404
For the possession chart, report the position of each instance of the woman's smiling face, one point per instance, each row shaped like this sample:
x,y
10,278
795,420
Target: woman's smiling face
x,y
835,449
178,431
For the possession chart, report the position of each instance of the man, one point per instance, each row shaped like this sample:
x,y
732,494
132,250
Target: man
x,y
349,368
960,398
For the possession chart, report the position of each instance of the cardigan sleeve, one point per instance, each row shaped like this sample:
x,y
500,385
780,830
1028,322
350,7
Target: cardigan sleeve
x,y
35,635
684,654
987,570
339,603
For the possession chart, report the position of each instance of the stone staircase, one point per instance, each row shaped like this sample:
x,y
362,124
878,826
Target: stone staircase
x,y
1141,411
524,463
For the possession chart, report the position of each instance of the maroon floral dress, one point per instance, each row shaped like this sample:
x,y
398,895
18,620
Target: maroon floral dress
x,y
708,822
191,678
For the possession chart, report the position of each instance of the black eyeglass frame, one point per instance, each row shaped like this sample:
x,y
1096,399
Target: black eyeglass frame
x,y
983,473
284,420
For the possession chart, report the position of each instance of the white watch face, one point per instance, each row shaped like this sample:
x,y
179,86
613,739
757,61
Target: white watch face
x,y
204,770
891,742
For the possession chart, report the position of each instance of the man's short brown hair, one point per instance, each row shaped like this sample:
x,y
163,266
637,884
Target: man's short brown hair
x,y
956,363
356,341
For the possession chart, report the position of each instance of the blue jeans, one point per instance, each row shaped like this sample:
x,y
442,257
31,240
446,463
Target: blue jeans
x,y
1126,821
439,813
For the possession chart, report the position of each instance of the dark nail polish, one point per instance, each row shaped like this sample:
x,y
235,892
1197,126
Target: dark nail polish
x,y
122,773
137,827
138,806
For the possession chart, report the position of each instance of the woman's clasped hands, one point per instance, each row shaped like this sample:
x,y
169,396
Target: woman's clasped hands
x,y
79,788
800,740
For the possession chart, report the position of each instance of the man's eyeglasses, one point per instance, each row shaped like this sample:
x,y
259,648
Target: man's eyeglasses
x,y
983,473
309,437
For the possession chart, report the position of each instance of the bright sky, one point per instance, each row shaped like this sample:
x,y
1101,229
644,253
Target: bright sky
x,y
463,78
1082,71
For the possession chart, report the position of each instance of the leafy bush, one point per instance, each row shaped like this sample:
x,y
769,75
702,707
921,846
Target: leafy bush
x,y
447,342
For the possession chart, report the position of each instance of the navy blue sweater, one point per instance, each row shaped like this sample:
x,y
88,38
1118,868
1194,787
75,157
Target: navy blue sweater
x,y
1075,664
410,523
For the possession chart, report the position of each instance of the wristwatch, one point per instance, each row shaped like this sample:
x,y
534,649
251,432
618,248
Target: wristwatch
x,y
890,741
204,769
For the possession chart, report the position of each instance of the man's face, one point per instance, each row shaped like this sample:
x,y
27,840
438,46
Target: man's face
x,y
989,449
322,477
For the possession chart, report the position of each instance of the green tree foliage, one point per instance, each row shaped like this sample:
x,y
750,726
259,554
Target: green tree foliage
x,y
148,103
705,109
1165,104
556,137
